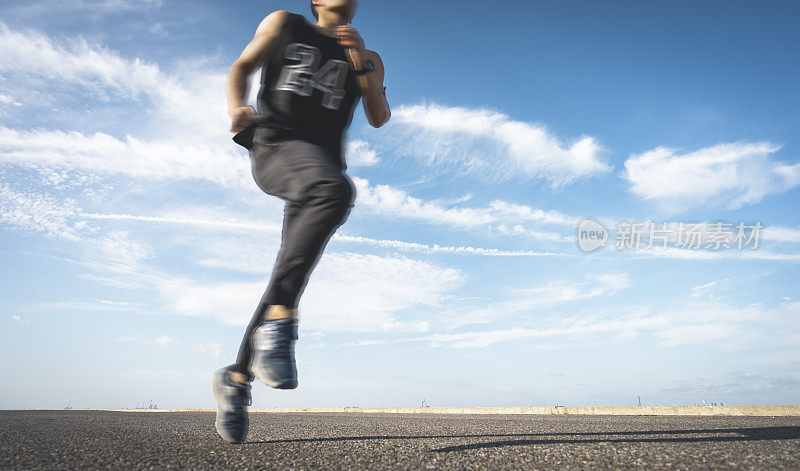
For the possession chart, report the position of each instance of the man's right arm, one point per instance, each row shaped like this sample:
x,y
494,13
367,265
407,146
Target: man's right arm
x,y
252,58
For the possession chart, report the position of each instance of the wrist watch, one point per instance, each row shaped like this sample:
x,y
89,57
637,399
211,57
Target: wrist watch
x,y
368,67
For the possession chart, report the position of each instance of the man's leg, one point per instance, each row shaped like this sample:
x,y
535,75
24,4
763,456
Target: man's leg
x,y
231,384
319,198
264,310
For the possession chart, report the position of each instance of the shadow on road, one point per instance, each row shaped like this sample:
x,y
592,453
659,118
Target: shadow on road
x,y
643,436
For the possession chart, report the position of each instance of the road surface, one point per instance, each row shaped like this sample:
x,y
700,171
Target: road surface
x,y
167,440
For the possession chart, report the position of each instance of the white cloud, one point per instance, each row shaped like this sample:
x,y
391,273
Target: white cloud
x,y
625,326
436,248
104,305
213,349
226,302
94,6
390,201
520,230
208,223
18,319
524,213
362,343
698,254
360,154
9,100
709,324
500,216
524,302
781,234
115,259
120,262
37,212
705,290
165,341
188,103
604,284
363,292
162,161
74,61
115,5
698,334
173,153
133,157
729,174
347,292
239,259
492,145
117,246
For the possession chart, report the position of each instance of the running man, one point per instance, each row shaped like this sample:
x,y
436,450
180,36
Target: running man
x,y
311,80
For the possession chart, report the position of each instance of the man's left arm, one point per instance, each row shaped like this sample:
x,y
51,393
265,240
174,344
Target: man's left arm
x,y
372,90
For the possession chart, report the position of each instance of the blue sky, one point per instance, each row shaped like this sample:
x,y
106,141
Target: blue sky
x,y
135,244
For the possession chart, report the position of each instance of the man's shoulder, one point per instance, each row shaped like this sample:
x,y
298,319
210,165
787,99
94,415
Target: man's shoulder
x,y
283,16
276,20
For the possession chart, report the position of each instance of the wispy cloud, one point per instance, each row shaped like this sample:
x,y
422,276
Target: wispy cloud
x,y
523,302
115,5
74,61
209,223
165,341
756,387
436,248
705,290
182,106
501,217
709,324
348,293
729,174
781,234
623,326
360,154
62,218
213,349
491,144
38,212
95,6
104,305
701,254
132,157
8,100
171,151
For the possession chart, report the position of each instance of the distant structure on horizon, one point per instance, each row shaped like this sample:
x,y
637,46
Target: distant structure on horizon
x,y
150,406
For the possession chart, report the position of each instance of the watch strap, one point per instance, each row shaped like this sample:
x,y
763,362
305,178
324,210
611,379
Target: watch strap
x,y
369,66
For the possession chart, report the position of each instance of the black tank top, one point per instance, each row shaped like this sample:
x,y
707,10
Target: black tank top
x,y
308,88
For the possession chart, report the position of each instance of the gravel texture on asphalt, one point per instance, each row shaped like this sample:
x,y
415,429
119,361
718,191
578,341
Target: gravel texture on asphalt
x,y
169,440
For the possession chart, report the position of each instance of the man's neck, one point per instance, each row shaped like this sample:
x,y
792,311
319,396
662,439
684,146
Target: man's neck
x,y
330,19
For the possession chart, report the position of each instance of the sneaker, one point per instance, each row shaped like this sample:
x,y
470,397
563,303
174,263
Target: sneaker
x,y
273,353
232,399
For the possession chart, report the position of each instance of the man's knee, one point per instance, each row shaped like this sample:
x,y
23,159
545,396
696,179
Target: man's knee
x,y
338,194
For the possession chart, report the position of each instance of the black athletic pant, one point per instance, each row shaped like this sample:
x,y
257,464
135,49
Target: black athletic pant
x,y
319,196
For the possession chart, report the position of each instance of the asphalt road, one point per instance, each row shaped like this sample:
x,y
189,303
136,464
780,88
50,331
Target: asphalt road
x,y
168,440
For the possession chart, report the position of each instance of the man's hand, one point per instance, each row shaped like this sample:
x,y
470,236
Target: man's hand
x,y
253,56
351,40
375,105
241,117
